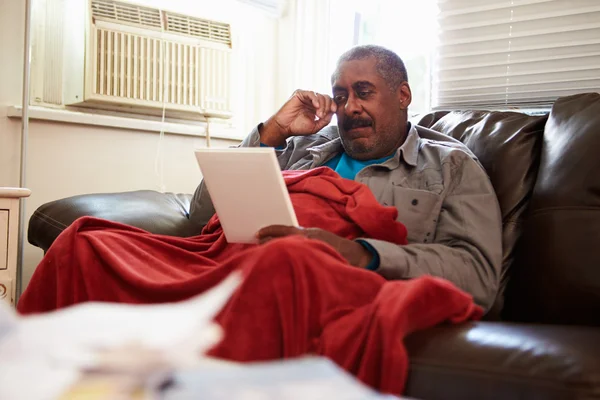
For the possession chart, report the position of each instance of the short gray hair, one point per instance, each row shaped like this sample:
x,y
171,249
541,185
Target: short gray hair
x,y
389,65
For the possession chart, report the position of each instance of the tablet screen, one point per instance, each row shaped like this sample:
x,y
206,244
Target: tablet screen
x,y
247,190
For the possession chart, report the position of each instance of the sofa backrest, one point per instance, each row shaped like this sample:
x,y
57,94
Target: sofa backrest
x,y
556,276
508,146
546,173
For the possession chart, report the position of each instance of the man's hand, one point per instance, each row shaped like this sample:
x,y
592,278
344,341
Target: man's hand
x,y
353,252
304,113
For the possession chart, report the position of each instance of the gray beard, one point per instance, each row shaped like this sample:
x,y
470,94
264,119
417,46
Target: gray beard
x,y
358,151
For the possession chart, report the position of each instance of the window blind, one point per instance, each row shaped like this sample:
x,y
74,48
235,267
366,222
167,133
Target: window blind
x,y
515,53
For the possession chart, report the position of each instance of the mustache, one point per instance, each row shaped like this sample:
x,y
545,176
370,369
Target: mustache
x,y
353,123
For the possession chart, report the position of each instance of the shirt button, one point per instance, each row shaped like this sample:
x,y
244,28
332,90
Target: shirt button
x,y
415,202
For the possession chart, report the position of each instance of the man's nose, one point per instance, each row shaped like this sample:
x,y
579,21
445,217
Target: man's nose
x,y
353,106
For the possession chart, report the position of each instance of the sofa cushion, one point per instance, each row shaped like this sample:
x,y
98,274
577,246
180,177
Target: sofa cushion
x,y
557,278
428,120
491,360
163,213
508,146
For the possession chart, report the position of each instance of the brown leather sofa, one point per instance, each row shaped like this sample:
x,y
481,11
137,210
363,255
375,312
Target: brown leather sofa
x,y
542,338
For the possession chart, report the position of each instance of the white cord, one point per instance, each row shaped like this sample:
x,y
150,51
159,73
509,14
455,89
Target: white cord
x,y
207,132
159,158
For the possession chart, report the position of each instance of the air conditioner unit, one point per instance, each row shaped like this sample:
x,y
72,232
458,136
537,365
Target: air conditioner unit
x,y
123,56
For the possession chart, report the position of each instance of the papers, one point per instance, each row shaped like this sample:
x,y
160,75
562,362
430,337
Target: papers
x,y
307,378
41,356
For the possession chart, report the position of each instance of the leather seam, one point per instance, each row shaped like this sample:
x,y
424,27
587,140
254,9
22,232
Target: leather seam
x,y
563,208
474,371
50,221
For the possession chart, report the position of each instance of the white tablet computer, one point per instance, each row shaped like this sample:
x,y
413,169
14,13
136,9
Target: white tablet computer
x,y
247,190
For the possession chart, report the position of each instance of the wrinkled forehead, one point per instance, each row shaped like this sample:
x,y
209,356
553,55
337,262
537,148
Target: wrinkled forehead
x,y
349,72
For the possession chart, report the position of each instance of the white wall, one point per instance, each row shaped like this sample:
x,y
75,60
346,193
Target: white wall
x,y
11,65
305,36
67,159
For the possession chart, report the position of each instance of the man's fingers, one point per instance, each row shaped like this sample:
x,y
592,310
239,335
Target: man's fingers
x,y
323,122
326,106
275,231
330,106
322,104
308,98
333,106
265,240
323,109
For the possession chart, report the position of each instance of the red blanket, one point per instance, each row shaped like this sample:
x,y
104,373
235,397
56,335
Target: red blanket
x,y
299,296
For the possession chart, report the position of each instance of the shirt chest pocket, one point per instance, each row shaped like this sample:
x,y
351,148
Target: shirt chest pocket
x,y
419,211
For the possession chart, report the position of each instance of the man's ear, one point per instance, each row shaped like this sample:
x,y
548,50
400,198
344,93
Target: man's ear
x,y
404,95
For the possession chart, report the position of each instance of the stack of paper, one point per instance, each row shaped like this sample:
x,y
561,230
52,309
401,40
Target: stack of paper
x,y
131,346
312,378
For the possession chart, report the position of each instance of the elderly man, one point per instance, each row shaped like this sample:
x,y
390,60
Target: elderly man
x,y
442,194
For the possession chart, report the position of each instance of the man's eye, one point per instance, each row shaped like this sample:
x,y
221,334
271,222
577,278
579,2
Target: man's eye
x,y
363,93
339,99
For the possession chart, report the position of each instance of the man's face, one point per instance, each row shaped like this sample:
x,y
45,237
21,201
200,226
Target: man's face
x,y
371,117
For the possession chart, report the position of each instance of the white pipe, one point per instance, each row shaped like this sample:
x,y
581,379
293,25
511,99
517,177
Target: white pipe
x,y
24,138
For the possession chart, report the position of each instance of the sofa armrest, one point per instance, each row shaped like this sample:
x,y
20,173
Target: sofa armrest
x,y
162,213
493,360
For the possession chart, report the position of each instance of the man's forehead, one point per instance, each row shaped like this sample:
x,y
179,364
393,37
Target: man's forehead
x,y
349,73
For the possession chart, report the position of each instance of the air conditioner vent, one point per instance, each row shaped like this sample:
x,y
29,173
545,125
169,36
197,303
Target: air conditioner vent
x,y
200,28
116,11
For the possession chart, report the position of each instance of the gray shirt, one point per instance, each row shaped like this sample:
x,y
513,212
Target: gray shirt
x,y
443,197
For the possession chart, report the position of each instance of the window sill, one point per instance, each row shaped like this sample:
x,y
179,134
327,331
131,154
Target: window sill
x,y
217,130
